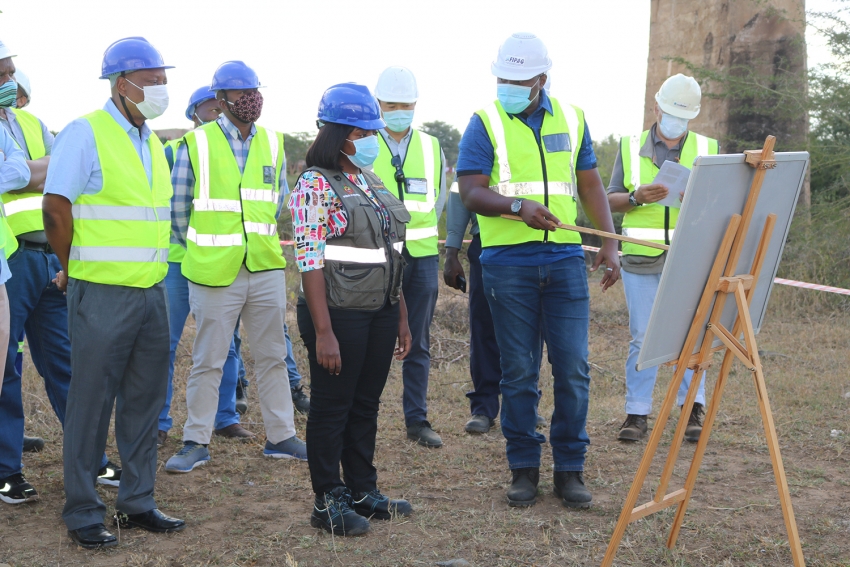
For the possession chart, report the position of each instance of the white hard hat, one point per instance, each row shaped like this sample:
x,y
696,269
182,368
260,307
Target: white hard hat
x,y
680,96
5,51
397,84
521,57
23,81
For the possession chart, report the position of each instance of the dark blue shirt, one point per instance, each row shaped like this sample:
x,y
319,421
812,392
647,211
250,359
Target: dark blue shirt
x,y
476,157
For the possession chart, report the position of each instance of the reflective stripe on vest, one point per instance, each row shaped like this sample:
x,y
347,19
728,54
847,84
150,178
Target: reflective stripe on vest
x,y
121,234
518,171
357,255
652,221
421,162
24,209
233,214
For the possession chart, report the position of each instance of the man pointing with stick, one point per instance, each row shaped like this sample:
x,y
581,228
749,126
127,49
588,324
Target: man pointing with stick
x,y
526,154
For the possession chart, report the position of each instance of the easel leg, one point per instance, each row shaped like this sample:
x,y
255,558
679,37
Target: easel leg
x,y
691,479
643,469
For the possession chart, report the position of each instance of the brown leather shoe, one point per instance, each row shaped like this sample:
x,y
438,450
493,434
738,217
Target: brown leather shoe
x,y
633,429
234,431
161,438
694,428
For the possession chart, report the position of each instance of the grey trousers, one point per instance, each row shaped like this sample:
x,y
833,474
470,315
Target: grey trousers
x,y
119,355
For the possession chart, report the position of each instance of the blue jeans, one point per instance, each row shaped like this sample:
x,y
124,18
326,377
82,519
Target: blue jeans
x,y
531,305
640,295
421,287
38,308
291,367
178,306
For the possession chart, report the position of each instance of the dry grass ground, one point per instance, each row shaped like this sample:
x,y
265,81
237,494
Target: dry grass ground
x,y
245,510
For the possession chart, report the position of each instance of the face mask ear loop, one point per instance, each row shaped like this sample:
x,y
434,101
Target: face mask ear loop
x,y
127,110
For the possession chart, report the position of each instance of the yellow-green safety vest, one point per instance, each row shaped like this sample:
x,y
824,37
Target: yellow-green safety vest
x,y
422,168
176,253
652,221
543,172
121,233
23,210
233,214
8,242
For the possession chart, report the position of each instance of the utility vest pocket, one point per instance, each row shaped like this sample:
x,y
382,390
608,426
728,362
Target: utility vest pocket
x,y
356,286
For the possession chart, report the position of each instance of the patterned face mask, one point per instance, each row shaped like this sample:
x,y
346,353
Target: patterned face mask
x,y
8,93
248,107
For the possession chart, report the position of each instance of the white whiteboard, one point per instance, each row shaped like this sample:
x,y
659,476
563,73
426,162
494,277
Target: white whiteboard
x,y
718,189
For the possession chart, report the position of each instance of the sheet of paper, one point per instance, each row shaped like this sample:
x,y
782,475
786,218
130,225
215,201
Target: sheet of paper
x,y
674,176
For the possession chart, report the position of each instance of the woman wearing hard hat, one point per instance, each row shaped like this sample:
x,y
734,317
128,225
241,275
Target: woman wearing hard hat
x,y
349,232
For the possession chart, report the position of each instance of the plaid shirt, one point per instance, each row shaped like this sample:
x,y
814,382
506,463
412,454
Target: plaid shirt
x,y
183,178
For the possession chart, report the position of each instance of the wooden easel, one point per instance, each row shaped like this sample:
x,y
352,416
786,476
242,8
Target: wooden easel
x,y
722,283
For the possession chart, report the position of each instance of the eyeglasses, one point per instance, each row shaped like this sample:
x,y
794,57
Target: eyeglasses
x,y
399,173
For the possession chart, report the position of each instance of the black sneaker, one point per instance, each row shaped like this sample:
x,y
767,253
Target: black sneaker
x,y
332,512
300,399
16,490
109,474
33,444
373,504
569,487
523,489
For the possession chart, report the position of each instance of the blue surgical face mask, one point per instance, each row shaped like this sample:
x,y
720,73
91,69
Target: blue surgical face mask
x,y
672,127
8,94
398,120
514,98
365,151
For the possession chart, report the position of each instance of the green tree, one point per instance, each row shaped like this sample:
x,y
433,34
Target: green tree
x,y
449,137
606,153
295,146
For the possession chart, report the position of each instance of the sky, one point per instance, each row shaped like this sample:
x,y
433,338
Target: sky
x,y
299,48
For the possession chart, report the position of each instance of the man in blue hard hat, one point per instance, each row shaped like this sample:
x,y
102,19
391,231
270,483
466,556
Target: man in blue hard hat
x,y
229,181
106,215
35,303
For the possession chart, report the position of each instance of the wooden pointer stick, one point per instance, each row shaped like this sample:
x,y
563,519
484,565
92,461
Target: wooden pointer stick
x,y
601,233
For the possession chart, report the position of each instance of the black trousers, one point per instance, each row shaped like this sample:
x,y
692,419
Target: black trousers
x,y
343,419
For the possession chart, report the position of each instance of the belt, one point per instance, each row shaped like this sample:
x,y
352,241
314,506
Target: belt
x,y
41,247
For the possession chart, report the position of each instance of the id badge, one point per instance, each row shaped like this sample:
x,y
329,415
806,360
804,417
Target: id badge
x,y
417,186
268,174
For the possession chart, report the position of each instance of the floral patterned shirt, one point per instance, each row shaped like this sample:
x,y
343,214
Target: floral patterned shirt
x,y
318,215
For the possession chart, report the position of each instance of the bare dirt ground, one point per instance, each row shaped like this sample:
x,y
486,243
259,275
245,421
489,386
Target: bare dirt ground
x,y
245,510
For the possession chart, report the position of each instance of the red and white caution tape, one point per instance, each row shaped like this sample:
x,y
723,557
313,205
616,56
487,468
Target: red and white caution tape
x,y
781,281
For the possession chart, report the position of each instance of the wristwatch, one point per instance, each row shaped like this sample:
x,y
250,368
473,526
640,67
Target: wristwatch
x,y
632,201
516,206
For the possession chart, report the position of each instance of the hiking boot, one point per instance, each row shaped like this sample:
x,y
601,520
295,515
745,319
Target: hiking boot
x,y
373,504
300,401
33,444
694,428
161,438
109,474
423,434
523,489
332,512
190,456
541,422
241,399
633,429
479,424
15,489
292,448
235,431
569,487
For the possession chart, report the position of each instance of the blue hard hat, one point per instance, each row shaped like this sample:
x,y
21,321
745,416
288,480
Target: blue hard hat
x,y
131,54
234,75
351,104
199,96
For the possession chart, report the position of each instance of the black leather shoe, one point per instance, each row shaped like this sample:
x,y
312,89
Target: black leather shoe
x,y
93,537
569,487
375,505
152,520
523,490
